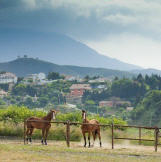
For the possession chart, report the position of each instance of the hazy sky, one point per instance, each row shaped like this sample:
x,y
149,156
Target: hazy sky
x,y
129,30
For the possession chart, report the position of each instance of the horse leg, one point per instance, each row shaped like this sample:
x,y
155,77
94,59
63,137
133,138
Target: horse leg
x,y
89,134
42,139
99,136
30,134
84,135
94,137
26,134
46,134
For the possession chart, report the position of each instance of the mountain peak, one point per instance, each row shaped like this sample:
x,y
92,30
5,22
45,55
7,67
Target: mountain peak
x,y
56,48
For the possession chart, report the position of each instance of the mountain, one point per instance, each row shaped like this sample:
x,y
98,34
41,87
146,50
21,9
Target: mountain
x,y
24,66
147,71
56,48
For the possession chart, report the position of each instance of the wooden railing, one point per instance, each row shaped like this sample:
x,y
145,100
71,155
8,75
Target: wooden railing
x,y
157,133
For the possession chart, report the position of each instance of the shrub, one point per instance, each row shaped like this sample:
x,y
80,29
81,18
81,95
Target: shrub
x,y
55,133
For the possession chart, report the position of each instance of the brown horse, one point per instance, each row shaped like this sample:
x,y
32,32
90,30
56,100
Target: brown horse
x,y
38,123
94,129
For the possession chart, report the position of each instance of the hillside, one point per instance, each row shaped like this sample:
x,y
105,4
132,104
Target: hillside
x,y
24,66
56,48
147,71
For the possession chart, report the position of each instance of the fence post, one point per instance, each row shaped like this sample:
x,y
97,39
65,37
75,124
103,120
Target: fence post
x,y
68,134
112,137
24,132
156,139
112,129
139,136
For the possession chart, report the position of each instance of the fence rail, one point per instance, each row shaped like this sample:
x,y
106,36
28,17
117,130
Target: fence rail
x,y
157,134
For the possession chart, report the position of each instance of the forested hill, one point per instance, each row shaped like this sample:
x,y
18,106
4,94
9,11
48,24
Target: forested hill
x,y
24,66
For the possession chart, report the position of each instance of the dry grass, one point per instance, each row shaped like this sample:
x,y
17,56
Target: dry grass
x,y
11,150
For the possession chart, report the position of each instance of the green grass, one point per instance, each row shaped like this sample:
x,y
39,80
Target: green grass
x,y
57,151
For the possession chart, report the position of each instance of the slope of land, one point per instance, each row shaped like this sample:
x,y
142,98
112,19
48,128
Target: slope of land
x,y
25,66
56,48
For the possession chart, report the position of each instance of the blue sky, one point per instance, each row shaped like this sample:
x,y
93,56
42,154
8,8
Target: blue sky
x,y
129,30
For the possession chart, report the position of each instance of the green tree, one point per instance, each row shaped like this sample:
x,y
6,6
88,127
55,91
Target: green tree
x,y
2,102
148,111
43,101
53,76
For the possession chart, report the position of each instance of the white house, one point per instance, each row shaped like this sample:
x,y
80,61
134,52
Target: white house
x,y
8,77
36,77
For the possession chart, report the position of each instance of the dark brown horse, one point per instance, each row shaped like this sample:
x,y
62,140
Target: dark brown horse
x,y
38,123
90,129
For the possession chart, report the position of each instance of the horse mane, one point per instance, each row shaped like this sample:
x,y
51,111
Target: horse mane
x,y
48,116
85,120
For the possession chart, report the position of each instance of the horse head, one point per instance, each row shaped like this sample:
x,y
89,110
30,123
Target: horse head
x,y
83,114
53,114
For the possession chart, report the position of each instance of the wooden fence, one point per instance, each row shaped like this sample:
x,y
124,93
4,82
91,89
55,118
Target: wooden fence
x,y
157,133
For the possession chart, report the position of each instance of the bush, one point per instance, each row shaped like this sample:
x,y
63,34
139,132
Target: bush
x,y
55,133
17,114
12,123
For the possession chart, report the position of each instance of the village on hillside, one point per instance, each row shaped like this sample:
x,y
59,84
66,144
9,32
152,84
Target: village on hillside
x,y
123,97
41,91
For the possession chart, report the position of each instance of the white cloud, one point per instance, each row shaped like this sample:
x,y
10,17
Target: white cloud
x,y
142,13
121,19
133,49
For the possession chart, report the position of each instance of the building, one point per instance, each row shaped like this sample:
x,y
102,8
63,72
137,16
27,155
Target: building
x,y
73,100
106,103
114,103
7,77
79,89
3,93
129,108
35,77
100,80
70,78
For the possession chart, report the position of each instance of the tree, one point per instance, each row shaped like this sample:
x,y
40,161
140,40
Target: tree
x,y
19,89
148,111
43,101
140,78
29,102
126,88
2,102
53,76
89,102
19,79
87,78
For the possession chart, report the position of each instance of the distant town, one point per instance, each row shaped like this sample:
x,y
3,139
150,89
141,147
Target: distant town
x,y
26,91
121,97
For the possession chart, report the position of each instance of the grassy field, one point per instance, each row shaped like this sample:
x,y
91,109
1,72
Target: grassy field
x,y
13,150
